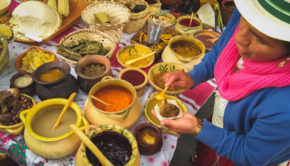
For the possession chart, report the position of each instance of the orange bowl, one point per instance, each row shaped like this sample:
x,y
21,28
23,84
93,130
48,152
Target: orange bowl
x,y
18,61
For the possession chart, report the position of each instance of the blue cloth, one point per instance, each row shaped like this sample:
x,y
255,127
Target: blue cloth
x,y
256,128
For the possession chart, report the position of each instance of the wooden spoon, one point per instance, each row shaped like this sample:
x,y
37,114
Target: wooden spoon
x,y
100,100
66,106
161,95
91,145
191,19
129,62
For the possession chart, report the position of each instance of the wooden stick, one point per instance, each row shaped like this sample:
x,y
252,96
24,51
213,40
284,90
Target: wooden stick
x,y
129,62
103,160
66,106
191,19
99,100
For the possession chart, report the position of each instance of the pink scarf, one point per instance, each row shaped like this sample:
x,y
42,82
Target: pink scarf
x,y
254,76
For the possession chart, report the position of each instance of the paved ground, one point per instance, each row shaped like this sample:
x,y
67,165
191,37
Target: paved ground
x,y
186,143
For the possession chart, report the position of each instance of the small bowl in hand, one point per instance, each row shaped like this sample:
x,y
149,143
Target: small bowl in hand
x,y
149,138
24,82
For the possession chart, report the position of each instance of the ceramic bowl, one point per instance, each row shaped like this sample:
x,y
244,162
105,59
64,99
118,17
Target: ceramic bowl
x,y
19,59
4,8
149,106
134,73
16,129
154,73
193,41
128,52
207,37
182,25
27,89
86,82
149,138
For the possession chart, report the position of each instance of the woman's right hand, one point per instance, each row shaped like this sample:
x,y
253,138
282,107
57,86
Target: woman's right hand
x,y
178,79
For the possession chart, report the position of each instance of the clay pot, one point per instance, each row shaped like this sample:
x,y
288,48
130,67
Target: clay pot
x,y
61,88
28,89
91,131
51,147
145,148
86,82
182,28
227,9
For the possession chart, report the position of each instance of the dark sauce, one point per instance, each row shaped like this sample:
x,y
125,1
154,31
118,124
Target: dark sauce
x,y
150,2
186,22
114,146
206,42
138,8
134,77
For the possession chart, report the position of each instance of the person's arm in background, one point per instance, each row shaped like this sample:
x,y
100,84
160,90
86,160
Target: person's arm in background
x,y
205,70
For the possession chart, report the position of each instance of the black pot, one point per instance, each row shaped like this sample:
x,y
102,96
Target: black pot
x,y
61,88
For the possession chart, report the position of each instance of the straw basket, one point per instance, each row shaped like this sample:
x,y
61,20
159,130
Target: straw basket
x,y
117,13
137,20
87,34
156,7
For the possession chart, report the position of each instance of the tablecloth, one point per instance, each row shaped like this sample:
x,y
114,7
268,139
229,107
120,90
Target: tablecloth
x,y
15,146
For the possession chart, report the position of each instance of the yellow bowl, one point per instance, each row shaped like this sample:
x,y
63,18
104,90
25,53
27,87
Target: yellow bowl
x,y
17,128
4,6
188,30
193,41
141,87
134,51
160,67
149,106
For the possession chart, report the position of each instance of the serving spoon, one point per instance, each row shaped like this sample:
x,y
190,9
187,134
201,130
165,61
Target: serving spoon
x,y
100,100
161,95
129,62
65,108
95,150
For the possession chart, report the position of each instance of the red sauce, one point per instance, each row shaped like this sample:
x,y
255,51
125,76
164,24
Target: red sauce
x,y
186,21
134,77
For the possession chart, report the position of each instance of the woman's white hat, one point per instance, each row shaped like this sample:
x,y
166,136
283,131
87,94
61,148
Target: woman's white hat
x,y
271,17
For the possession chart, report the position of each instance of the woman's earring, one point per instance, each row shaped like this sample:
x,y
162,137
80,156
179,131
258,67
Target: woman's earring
x,y
281,64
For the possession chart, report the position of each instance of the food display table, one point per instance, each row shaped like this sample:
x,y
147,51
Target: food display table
x,y
15,146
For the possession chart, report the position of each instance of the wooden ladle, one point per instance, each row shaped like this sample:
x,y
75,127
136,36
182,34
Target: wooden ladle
x,y
129,62
161,95
103,160
65,108
100,100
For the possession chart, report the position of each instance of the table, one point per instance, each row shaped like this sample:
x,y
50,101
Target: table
x,y
15,146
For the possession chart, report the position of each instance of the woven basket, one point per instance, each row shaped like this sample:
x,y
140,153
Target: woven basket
x,y
91,35
137,20
118,14
153,8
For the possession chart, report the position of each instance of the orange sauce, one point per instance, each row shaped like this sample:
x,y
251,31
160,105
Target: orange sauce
x,y
51,75
119,98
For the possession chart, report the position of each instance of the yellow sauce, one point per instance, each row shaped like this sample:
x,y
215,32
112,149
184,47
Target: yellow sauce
x,y
23,81
51,75
133,52
44,120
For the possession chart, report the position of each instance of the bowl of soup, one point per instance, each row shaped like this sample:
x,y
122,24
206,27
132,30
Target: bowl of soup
x,y
116,143
120,94
156,73
186,48
38,122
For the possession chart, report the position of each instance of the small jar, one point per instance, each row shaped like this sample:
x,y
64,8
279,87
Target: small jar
x,y
187,27
137,77
24,82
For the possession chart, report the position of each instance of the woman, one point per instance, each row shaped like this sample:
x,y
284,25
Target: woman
x,y
251,65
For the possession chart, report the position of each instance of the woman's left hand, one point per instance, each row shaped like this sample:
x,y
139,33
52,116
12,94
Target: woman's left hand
x,y
186,124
